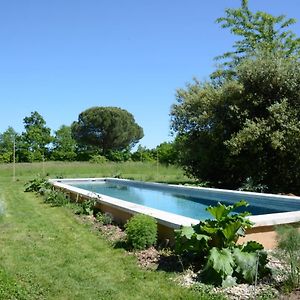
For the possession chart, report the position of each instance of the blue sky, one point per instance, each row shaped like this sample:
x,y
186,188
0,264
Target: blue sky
x,y
60,57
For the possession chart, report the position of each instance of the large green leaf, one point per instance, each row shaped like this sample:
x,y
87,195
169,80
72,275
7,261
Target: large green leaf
x,y
220,211
229,281
221,261
231,231
240,203
246,264
186,231
252,246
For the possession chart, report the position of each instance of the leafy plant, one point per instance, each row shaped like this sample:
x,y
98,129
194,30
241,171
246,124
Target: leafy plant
x,y
222,231
141,231
288,251
214,242
85,207
55,198
37,184
104,218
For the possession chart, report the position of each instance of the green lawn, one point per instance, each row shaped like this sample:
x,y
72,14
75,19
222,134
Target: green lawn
x,y
46,253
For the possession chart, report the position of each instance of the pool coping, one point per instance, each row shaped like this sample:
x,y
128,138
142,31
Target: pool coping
x,y
172,220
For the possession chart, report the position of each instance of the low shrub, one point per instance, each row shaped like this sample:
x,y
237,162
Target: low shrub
x,y
98,159
141,231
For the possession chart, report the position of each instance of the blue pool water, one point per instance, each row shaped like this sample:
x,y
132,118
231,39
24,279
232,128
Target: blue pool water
x,y
166,200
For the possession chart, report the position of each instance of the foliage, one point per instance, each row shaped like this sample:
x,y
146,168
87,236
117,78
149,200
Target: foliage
x,y
104,218
257,31
215,242
288,251
247,127
141,231
143,154
55,198
108,128
64,146
7,139
118,155
166,153
86,207
98,159
249,185
37,184
245,122
34,141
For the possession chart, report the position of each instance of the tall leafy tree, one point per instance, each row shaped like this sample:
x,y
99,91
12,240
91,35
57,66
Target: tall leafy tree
x,y
246,128
256,32
64,146
35,139
8,140
107,128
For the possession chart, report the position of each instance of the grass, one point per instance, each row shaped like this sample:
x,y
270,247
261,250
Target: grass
x,y
130,170
46,253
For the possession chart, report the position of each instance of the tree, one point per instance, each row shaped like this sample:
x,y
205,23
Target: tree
x,y
167,153
143,154
244,127
64,146
35,138
7,140
248,127
108,128
258,32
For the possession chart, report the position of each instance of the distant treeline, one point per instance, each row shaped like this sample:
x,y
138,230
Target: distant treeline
x,y
101,134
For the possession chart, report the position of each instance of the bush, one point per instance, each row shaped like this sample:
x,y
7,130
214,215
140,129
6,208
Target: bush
x,y
37,184
141,231
98,159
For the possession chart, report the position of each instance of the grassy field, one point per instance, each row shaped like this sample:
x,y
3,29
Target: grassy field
x,y
130,170
46,253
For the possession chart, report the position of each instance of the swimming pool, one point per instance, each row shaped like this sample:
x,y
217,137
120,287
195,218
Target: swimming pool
x,y
185,202
186,207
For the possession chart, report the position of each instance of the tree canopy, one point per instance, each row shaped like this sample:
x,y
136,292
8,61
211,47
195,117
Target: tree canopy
x,y
7,140
64,146
246,128
107,128
256,32
35,139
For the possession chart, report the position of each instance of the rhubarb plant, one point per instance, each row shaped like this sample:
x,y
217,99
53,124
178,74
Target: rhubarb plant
x,y
214,243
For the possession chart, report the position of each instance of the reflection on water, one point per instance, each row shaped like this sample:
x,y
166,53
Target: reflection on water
x,y
173,202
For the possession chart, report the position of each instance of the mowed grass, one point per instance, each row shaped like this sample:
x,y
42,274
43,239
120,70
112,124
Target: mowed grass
x,y
46,253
